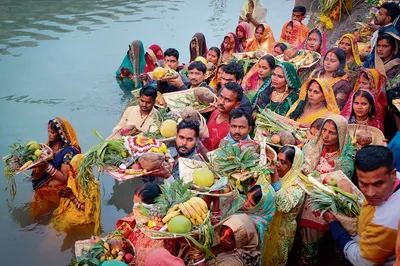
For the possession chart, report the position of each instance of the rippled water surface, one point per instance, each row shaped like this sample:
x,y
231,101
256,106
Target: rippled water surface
x,y
58,58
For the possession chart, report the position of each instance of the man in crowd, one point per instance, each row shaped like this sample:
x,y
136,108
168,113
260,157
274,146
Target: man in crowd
x,y
299,14
239,127
171,59
197,71
218,125
378,220
186,143
141,116
393,99
383,22
233,72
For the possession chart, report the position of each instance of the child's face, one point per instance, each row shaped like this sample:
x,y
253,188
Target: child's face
x,y
312,133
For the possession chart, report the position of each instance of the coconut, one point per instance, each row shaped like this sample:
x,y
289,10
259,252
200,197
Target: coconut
x,y
168,128
190,114
364,137
204,96
151,160
287,138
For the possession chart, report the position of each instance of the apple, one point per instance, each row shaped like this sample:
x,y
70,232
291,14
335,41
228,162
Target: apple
x,y
330,180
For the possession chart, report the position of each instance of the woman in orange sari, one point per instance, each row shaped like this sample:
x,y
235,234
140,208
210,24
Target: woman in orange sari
x,y
229,46
263,39
152,56
291,33
48,178
316,100
367,103
333,71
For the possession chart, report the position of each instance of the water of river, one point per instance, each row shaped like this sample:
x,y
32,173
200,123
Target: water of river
x,y
58,58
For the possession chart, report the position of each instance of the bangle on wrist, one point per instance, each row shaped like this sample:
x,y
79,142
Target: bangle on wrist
x,y
198,262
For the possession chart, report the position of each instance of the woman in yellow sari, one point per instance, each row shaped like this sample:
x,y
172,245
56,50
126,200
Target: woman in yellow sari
x,y
349,44
51,176
289,198
76,208
215,82
316,100
263,39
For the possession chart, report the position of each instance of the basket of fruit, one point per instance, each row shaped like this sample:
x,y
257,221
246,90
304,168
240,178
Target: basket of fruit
x,y
363,135
93,252
177,213
203,180
278,130
202,99
304,59
25,157
163,74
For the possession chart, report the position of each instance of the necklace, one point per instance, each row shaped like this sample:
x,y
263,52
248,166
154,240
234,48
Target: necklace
x,y
278,95
364,122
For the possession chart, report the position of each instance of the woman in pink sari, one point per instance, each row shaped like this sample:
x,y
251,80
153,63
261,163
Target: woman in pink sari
x,y
153,54
243,32
367,102
229,46
291,33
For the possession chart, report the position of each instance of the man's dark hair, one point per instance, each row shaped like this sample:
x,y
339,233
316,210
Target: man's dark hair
x,y
393,94
392,10
235,69
301,9
189,124
373,157
391,40
172,52
238,113
149,91
200,66
235,88
149,192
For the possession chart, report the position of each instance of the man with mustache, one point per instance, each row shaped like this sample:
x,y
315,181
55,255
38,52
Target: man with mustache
x,y
378,221
197,71
239,127
218,125
186,140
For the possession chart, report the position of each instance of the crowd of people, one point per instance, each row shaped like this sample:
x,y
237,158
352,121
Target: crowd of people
x,y
259,228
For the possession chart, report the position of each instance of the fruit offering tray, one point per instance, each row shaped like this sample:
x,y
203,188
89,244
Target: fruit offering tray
x,y
187,168
45,155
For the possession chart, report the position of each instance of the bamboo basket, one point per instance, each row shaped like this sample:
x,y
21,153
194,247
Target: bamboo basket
x,y
43,147
377,136
186,170
113,171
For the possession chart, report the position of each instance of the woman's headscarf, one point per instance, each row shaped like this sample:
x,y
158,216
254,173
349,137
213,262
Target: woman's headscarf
x,y
322,49
327,91
259,12
273,235
292,79
246,240
354,47
295,38
246,29
267,40
135,62
234,41
201,47
376,89
67,133
313,150
263,212
152,56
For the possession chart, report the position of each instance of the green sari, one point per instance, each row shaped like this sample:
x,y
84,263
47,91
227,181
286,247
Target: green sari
x,y
263,100
261,214
135,62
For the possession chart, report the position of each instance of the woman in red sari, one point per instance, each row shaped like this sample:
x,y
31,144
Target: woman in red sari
x,y
229,46
291,33
243,32
367,102
153,54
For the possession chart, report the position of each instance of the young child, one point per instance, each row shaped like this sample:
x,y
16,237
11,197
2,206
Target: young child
x,y
290,53
314,128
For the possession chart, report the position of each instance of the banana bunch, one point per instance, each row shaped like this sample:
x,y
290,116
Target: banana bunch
x,y
297,59
195,209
